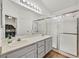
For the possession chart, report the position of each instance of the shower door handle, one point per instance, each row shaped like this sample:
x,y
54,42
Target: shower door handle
x,y
70,33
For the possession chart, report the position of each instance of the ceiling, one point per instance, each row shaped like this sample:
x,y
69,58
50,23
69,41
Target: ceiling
x,y
56,5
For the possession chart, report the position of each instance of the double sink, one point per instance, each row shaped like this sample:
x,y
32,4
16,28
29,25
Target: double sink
x,y
23,40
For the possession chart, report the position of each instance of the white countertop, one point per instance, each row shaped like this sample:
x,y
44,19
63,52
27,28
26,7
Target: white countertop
x,y
6,48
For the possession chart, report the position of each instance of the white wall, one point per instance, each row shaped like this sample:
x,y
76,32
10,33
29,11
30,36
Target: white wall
x,y
66,10
24,16
10,21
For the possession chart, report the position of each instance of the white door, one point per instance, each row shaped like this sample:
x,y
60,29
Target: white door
x,y
68,37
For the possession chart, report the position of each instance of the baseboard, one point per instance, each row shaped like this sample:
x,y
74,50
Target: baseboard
x,y
63,53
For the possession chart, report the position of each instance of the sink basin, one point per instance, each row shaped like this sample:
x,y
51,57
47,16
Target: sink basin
x,y
18,43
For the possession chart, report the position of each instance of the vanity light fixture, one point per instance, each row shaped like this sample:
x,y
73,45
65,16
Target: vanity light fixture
x,y
58,17
31,5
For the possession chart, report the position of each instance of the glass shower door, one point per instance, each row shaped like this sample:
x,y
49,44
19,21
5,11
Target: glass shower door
x,y
0,23
68,37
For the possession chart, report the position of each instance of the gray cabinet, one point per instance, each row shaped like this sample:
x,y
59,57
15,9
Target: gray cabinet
x,y
44,47
24,52
36,50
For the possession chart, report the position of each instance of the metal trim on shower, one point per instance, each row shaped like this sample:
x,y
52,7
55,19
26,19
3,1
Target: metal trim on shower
x,y
1,13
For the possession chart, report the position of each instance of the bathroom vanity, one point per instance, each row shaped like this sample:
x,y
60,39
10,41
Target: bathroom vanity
x,y
30,47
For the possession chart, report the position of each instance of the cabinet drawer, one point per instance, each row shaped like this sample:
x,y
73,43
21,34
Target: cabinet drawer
x,y
41,49
21,52
40,43
31,54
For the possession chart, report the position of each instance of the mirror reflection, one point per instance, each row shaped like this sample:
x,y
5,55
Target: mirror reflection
x,y
10,26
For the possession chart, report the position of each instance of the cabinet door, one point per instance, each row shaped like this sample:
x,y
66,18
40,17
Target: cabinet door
x,y
54,41
41,43
68,44
48,45
31,54
41,49
41,55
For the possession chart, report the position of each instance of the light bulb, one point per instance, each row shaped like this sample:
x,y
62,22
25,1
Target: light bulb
x,y
67,15
55,18
59,16
35,6
59,20
28,2
10,17
24,0
32,4
40,10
